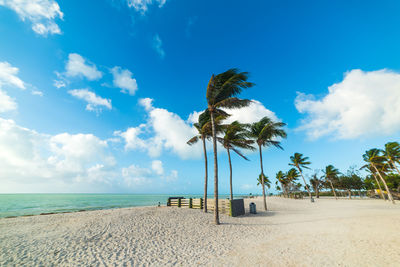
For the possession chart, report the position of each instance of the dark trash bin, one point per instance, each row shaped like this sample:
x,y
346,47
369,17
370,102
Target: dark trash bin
x,y
253,208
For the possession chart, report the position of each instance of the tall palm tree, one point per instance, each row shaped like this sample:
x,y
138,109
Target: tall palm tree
x,y
203,127
222,90
235,136
331,174
291,177
374,158
299,162
372,171
281,177
392,154
265,132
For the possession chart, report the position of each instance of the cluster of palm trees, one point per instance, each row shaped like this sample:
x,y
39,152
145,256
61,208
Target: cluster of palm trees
x,y
381,164
287,180
222,92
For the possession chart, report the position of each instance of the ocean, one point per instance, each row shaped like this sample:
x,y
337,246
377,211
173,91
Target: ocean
x,y
34,204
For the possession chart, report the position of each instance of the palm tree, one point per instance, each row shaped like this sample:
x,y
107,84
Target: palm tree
x,y
372,171
222,90
316,183
374,158
299,162
330,174
265,133
235,136
267,182
291,177
392,154
281,177
203,128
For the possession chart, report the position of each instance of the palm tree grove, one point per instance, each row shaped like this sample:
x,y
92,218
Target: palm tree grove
x,y
378,178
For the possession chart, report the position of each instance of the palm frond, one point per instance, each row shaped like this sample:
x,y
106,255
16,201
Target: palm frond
x,y
193,140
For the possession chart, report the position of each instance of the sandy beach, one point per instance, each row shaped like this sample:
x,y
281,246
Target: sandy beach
x,y
293,233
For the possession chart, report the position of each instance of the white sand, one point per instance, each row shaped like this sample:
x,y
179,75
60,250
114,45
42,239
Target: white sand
x,y
292,233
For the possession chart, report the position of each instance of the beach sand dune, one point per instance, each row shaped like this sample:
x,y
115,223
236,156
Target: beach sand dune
x,y
292,233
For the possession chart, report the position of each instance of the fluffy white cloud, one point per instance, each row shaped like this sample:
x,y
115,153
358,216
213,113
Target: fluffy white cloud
x,y
8,76
166,130
78,66
252,113
364,104
143,5
28,156
95,103
157,46
42,14
136,176
6,102
81,162
123,80
157,167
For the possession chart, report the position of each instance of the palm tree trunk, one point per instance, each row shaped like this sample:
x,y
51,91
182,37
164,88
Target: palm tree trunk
x,y
379,186
349,191
230,172
206,173
333,189
304,180
384,183
216,211
284,190
394,166
262,179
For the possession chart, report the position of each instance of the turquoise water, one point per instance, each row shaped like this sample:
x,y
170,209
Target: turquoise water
x,y
34,204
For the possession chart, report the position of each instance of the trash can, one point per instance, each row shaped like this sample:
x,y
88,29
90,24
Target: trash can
x,y
253,208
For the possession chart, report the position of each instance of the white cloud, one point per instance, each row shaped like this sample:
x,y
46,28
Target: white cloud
x,y
163,130
143,5
82,162
123,79
78,152
157,45
157,167
147,103
136,176
364,104
78,66
35,92
250,114
42,14
28,156
95,103
133,141
8,76
59,84
6,102
171,131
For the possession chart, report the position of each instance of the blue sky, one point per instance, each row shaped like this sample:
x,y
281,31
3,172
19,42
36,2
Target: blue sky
x,y
100,96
